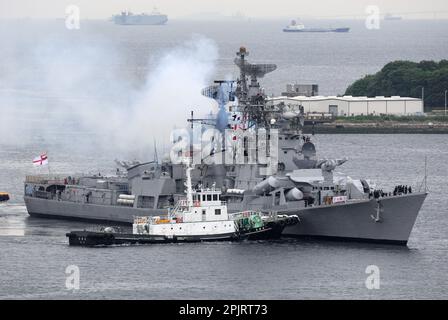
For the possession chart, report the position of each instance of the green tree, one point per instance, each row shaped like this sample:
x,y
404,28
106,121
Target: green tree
x,y
406,78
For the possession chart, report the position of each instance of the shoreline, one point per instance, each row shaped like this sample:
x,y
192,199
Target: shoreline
x,y
378,128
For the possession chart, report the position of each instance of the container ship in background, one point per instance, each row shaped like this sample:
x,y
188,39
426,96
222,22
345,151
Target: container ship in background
x,y
300,27
329,204
128,18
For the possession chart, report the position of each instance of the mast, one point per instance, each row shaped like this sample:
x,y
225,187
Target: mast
x,y
251,97
48,165
188,183
156,158
426,174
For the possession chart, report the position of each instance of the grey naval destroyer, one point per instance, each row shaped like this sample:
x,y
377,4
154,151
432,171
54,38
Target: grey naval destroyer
x,y
329,204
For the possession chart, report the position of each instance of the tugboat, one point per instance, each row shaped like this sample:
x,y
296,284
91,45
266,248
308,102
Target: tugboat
x,y
4,196
202,216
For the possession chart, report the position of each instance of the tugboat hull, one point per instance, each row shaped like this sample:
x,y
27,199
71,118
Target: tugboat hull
x,y
91,238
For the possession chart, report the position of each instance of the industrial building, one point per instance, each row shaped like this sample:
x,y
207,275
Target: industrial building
x,y
355,106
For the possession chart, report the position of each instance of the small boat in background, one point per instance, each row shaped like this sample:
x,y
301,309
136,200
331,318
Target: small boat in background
x,y
4,196
391,17
300,27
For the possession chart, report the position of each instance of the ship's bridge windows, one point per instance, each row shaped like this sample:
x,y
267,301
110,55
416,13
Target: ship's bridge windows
x,y
217,212
215,197
203,197
209,197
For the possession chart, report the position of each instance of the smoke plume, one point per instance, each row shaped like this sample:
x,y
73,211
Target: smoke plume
x,y
92,90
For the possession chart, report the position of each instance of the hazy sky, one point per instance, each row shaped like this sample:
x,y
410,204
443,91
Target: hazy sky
x,y
250,8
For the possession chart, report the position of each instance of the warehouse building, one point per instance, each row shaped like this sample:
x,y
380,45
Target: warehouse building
x,y
355,106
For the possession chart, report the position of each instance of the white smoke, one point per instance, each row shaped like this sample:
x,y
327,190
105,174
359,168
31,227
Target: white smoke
x,y
60,85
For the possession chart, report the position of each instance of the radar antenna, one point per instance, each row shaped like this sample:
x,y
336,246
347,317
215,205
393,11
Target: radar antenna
x,y
250,96
223,91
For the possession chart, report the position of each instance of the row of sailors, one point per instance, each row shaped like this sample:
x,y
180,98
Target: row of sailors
x,y
398,190
402,190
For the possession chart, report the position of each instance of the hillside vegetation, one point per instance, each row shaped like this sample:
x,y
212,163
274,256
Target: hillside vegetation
x,y
406,78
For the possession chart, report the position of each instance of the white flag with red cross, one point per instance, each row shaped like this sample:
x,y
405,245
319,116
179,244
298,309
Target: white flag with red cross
x,y
42,160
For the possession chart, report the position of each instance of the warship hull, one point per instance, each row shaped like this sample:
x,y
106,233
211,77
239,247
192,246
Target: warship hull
x,y
356,221
361,221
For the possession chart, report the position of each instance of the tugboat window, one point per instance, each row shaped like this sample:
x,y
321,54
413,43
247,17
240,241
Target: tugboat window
x,y
215,197
217,212
209,197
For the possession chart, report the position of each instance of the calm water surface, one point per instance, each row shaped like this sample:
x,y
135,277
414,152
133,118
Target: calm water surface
x,y
34,252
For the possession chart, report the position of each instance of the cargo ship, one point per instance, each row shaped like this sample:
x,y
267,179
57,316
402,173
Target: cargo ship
x,y
300,27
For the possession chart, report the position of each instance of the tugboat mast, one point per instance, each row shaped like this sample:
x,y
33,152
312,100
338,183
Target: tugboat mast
x,y
188,183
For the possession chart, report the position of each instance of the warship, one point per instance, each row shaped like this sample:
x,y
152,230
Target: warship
x,y
259,159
